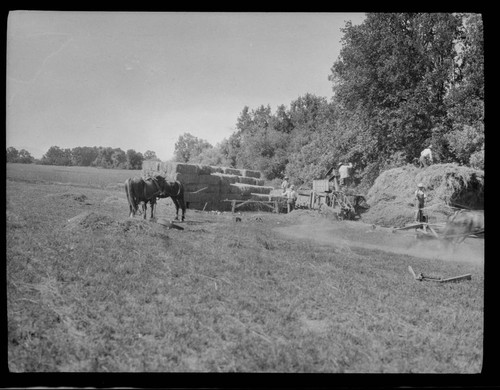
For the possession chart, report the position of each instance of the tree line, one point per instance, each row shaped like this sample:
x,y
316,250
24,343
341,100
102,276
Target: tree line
x,y
402,81
86,156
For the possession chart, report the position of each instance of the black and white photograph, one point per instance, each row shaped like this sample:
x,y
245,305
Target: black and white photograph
x,y
245,192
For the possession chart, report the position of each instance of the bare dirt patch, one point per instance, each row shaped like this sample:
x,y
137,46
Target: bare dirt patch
x,y
350,235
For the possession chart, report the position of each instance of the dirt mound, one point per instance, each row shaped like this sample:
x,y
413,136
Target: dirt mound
x,y
79,197
90,220
134,225
114,199
392,196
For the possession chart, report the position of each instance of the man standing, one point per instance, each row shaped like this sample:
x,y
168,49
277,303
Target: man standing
x,y
420,197
285,184
291,198
344,173
426,157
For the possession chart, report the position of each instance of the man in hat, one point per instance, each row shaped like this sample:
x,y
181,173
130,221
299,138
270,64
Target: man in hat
x,y
344,173
420,196
426,157
291,198
285,184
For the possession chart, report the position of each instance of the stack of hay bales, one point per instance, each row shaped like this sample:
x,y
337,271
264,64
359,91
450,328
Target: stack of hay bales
x,y
392,196
206,187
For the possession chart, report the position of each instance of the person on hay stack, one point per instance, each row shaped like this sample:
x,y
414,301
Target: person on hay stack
x,y
344,174
420,196
291,198
426,157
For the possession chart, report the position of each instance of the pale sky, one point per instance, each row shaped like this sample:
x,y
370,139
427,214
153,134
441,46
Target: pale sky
x,y
140,80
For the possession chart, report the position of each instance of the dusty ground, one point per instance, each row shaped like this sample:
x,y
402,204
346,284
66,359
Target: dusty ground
x,y
350,234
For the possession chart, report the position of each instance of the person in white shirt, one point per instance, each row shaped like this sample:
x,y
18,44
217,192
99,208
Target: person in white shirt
x,y
344,173
291,198
426,157
420,197
285,184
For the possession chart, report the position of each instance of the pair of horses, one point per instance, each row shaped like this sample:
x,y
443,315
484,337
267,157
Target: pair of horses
x,y
141,190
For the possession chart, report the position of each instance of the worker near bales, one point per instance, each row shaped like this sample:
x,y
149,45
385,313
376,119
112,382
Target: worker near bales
x,y
344,173
285,184
420,196
291,198
426,157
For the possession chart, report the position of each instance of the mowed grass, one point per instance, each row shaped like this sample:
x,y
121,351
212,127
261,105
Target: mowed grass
x,y
91,290
76,176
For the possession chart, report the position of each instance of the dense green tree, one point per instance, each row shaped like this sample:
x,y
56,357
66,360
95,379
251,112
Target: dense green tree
x,y
57,156
150,155
119,159
134,159
103,158
12,154
262,140
188,146
83,156
229,149
22,156
210,156
396,74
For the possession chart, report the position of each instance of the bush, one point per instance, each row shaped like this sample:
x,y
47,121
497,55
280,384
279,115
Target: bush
x,y
477,159
464,141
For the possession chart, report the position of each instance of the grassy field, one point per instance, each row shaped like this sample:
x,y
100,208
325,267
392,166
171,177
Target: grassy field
x,y
91,290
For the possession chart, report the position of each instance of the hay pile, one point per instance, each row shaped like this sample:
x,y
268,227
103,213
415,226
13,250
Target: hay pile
x,y
392,196
206,187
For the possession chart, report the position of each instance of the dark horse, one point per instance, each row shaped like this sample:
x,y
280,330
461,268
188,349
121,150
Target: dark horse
x,y
140,190
464,223
175,190
143,191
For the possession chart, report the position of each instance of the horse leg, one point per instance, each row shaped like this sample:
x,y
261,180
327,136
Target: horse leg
x,y
153,206
144,209
176,203
183,206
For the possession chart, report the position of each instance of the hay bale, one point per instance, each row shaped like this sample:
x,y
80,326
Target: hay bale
x,y
202,187
232,171
185,178
205,169
247,189
226,179
392,196
247,180
217,169
250,173
201,197
170,168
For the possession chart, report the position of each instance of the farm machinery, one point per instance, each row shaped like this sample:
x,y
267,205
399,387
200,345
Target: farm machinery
x,y
444,230
327,196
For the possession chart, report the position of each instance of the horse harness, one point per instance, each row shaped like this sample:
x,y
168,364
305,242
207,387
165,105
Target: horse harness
x,y
158,189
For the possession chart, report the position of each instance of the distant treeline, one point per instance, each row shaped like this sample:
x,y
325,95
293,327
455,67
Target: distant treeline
x,y
402,81
85,156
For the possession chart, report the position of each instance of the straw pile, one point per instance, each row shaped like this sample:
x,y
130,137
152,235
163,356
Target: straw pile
x,y
206,187
392,196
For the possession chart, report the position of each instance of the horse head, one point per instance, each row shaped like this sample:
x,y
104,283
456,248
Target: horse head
x,y
162,184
